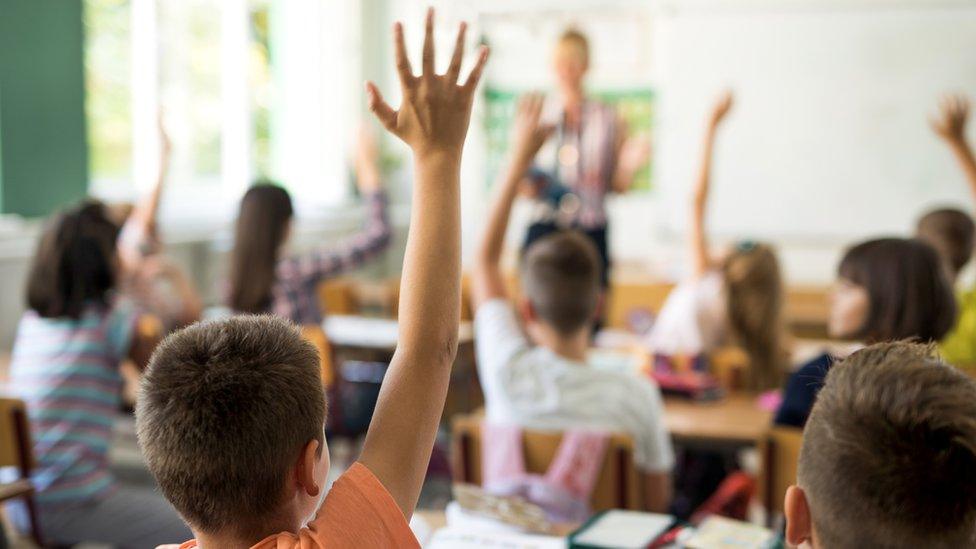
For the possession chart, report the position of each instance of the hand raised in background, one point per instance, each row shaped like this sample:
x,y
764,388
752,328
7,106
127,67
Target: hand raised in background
x,y
634,153
721,109
950,123
367,161
436,110
529,134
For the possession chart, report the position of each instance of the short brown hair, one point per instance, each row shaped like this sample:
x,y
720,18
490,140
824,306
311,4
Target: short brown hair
x,y
909,294
951,232
225,409
74,265
889,451
561,278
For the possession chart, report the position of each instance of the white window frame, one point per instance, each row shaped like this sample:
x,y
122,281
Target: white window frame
x,y
318,64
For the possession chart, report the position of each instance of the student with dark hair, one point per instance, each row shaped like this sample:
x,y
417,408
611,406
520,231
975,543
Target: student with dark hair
x,y
266,278
952,232
542,380
888,456
65,365
888,289
232,413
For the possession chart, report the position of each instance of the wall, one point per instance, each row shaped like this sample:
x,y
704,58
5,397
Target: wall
x,y
828,143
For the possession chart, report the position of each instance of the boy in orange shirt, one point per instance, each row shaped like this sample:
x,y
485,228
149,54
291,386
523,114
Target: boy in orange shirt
x,y
232,413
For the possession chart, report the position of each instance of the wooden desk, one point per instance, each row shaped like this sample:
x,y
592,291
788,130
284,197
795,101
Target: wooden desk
x,y
733,420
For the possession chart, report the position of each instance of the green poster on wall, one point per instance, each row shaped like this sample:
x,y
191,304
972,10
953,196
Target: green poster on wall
x,y
635,106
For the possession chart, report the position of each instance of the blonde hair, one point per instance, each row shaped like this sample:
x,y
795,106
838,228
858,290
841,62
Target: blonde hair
x,y
754,294
575,39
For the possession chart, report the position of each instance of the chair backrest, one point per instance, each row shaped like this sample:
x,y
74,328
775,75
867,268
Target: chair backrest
x,y
779,454
16,449
618,485
338,297
316,336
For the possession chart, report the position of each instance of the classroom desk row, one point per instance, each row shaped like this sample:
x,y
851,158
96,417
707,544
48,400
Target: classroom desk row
x,y
734,420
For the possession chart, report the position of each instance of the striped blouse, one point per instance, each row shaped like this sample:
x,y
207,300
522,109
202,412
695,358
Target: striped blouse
x,y
294,293
584,159
67,372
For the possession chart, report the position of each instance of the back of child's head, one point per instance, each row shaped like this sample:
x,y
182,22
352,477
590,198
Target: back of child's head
x,y
560,276
262,226
75,264
889,452
754,294
224,410
951,232
909,294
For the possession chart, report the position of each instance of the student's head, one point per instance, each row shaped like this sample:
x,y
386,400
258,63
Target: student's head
x,y
891,289
571,59
560,279
231,418
263,226
754,293
75,264
889,455
951,232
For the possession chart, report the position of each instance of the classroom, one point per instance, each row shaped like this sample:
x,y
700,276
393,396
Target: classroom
x,y
487,274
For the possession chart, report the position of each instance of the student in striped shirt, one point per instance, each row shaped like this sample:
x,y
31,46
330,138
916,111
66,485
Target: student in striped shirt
x,y
65,365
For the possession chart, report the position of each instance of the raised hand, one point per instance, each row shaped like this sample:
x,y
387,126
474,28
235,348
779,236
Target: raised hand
x,y
950,123
165,143
367,161
436,110
528,132
721,108
634,153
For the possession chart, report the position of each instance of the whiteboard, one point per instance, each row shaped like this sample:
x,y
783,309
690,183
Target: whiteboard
x,y
829,138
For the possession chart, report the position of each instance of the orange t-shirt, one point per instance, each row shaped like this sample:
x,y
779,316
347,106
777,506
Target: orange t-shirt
x,y
357,512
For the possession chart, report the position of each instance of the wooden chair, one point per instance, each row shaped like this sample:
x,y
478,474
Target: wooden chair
x,y
730,365
779,454
316,336
16,450
618,485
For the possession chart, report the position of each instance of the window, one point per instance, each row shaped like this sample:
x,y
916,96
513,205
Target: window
x,y
248,88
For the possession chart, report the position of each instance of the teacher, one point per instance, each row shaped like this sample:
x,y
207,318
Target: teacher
x,y
589,156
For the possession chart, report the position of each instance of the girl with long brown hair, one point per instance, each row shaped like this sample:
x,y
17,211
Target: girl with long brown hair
x,y
264,278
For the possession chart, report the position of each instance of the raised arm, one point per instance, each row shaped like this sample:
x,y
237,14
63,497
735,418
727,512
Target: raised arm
x,y
336,258
529,136
433,120
697,239
950,125
633,152
146,210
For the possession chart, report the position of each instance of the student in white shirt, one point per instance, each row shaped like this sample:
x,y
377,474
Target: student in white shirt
x,y
543,381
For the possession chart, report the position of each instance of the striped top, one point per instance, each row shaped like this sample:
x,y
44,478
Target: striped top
x,y
294,293
67,372
584,158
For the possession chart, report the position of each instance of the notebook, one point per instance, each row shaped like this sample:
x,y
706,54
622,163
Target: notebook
x,y
621,529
